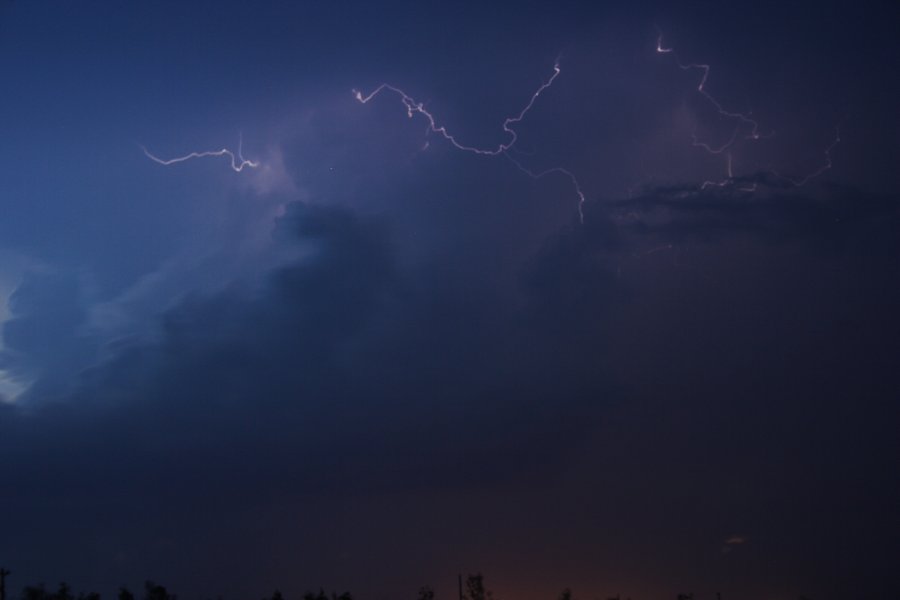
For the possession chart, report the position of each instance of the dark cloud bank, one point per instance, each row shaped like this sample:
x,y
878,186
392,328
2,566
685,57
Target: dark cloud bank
x,y
353,372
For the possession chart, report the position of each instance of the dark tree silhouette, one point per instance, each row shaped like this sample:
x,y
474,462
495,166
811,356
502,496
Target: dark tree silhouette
x,y
34,592
566,594
475,589
125,594
426,593
63,592
154,591
3,574
322,596
276,595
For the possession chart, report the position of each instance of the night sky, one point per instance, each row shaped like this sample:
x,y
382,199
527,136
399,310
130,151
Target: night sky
x,y
370,359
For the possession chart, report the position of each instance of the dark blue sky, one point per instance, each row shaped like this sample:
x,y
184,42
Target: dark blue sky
x,y
374,360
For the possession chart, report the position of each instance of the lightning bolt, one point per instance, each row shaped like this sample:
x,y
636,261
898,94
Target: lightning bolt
x,y
743,122
745,127
414,107
562,171
825,167
238,162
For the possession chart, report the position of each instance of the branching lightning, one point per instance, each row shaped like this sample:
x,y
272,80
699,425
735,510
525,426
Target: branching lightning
x,y
238,162
742,120
414,107
745,128
825,167
743,123
551,170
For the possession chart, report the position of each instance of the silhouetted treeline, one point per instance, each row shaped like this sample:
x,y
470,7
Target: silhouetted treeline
x,y
473,589
152,591
321,596
63,592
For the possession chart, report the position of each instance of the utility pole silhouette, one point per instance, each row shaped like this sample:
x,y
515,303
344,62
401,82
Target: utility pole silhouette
x,y
460,587
3,574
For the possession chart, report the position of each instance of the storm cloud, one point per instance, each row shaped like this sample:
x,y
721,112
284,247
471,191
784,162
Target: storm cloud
x,y
376,361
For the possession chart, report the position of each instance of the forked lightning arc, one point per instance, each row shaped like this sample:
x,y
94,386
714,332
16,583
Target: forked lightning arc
x,y
743,123
745,127
414,107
